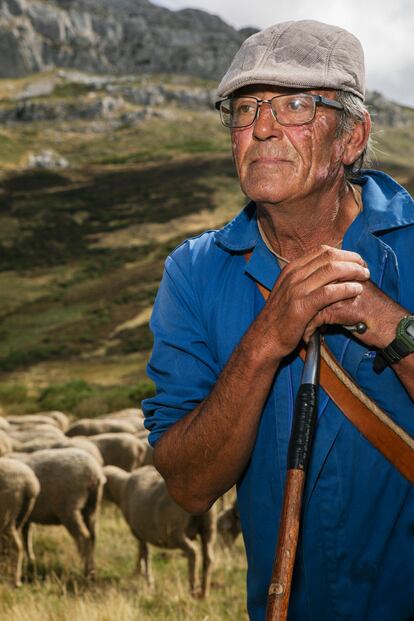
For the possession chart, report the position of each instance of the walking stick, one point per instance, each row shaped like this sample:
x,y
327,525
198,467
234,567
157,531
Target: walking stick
x,y
298,457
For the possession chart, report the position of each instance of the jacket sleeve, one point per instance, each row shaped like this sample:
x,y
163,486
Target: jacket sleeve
x,y
181,364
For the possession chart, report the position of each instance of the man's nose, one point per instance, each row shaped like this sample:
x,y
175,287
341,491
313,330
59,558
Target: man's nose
x,y
266,124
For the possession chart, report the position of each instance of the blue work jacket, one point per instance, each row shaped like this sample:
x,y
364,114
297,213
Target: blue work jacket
x,y
356,552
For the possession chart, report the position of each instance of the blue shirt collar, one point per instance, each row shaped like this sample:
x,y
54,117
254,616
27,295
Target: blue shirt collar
x,y
387,205
240,234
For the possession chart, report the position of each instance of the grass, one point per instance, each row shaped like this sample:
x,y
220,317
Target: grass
x,y
61,594
77,396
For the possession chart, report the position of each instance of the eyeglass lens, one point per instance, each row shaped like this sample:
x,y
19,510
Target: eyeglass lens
x,y
288,109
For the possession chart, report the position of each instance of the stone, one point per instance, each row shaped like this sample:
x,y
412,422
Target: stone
x,y
47,159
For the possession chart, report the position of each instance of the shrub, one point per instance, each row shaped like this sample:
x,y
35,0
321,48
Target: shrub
x,y
81,399
65,397
12,393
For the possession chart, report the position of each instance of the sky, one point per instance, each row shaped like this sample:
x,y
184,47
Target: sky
x,y
385,29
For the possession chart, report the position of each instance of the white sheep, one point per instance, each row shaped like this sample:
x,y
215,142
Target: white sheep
x,y
6,444
61,418
71,483
127,413
19,489
25,421
35,432
93,427
40,444
132,416
119,449
149,454
56,418
4,424
84,444
155,518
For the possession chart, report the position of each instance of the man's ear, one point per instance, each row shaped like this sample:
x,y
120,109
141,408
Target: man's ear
x,y
356,140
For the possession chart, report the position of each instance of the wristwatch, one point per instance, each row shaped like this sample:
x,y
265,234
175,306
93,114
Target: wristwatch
x,y
401,346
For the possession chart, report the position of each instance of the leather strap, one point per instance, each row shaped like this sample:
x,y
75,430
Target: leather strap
x,y
374,424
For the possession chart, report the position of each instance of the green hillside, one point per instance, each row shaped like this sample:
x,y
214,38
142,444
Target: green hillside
x,y
82,247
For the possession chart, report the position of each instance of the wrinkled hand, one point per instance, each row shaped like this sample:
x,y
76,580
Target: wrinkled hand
x,y
379,312
305,288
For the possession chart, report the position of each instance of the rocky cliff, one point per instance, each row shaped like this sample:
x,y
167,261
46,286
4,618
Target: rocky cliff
x,y
124,37
113,36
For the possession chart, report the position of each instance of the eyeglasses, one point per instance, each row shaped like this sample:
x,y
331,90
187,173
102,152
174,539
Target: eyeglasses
x,y
295,109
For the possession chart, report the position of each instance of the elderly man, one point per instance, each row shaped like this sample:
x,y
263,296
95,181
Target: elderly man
x,y
334,248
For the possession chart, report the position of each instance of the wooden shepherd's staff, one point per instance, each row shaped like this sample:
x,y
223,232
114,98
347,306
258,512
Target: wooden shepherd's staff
x,y
298,457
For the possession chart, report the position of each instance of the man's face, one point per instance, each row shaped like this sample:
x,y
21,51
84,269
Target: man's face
x,y
278,163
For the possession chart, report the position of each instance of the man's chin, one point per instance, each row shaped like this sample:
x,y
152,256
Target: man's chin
x,y
271,196
262,189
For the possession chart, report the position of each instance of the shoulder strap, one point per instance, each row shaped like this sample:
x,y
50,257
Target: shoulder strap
x,y
376,426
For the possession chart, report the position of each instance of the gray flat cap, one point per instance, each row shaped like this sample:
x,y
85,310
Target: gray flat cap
x,y
298,54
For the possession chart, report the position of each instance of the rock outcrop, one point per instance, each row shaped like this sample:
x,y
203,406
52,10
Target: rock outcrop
x,y
113,36
385,112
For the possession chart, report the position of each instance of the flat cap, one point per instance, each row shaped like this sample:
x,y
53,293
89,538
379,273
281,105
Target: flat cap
x,y
298,54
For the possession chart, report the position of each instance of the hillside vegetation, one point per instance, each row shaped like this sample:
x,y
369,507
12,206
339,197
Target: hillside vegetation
x,y
82,246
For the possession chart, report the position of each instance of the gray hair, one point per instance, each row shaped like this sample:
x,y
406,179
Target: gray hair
x,y
354,112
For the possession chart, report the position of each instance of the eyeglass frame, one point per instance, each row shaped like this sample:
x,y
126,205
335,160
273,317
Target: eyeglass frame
x,y
318,99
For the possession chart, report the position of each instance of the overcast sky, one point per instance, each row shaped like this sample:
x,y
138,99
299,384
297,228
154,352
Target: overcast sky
x,y
385,29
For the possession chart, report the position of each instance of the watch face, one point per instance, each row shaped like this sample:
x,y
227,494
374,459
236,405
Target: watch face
x,y
405,335
410,330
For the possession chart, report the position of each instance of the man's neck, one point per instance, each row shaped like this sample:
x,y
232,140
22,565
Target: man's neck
x,y
294,228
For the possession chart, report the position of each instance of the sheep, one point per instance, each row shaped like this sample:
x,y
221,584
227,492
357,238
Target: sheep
x,y
124,414
155,518
120,449
6,444
71,483
4,424
38,444
61,418
93,427
19,489
25,421
132,416
228,524
49,432
84,444
148,459
41,444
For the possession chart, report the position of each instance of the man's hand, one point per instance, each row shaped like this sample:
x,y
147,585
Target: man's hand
x,y
381,316
304,290
379,312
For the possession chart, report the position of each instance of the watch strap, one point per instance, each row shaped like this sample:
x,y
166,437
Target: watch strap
x,y
393,353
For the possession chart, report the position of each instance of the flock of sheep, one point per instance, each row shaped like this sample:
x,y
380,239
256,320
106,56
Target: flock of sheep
x,y
54,472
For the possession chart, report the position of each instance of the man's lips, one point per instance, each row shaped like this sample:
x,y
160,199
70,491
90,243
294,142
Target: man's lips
x,y
268,160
